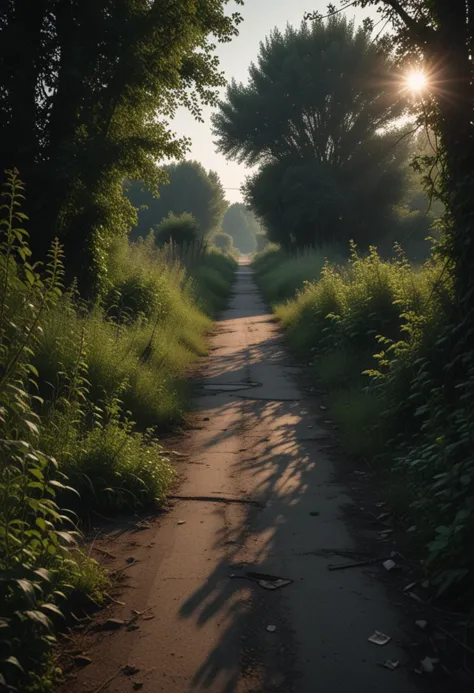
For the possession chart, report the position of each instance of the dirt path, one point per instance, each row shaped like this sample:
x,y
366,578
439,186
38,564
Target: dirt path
x,y
203,630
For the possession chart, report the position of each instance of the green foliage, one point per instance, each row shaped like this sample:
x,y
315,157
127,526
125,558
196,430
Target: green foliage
x,y
37,563
72,377
223,241
317,116
180,230
379,337
190,189
87,99
240,223
282,275
212,281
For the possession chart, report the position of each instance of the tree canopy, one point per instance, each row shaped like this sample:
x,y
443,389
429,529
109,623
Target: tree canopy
x,y
317,116
190,189
241,223
439,36
88,90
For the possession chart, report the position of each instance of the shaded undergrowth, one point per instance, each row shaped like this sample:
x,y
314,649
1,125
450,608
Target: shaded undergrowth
x,y
84,389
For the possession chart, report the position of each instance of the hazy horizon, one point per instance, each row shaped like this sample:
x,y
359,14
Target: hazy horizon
x,y
235,59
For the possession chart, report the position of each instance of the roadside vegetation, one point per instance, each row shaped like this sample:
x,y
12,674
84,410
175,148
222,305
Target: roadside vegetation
x,y
381,315
99,323
85,388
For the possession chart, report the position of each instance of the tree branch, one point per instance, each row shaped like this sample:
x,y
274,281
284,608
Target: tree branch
x,y
421,31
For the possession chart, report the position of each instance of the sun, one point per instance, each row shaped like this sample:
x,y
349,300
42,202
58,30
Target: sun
x,y
416,81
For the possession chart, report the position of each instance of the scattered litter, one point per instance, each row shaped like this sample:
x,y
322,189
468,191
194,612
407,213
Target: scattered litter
x,y
131,559
268,582
132,626
379,638
181,522
409,586
427,664
271,629
391,664
128,670
389,565
314,513
82,660
113,624
421,624
356,564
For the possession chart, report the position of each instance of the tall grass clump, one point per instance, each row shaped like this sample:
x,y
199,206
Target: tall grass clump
x,y
281,275
378,335
40,564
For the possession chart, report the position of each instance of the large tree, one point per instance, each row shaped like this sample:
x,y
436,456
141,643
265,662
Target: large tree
x,y
190,189
88,89
317,117
439,36
240,223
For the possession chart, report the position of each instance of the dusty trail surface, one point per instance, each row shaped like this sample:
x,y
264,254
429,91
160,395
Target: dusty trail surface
x,y
200,629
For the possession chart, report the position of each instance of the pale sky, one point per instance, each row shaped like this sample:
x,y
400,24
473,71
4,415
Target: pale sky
x,y
260,17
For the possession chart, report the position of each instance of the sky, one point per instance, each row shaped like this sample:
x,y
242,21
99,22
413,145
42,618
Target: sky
x,y
260,17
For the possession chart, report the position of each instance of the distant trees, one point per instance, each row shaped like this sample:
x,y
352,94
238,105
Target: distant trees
x,y
317,116
191,189
87,92
240,223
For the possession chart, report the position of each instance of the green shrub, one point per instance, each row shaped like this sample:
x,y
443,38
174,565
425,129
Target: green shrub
x,y
180,230
223,241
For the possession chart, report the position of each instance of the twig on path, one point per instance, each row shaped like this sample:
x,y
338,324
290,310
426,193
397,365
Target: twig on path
x,y
357,564
120,570
106,553
218,499
109,680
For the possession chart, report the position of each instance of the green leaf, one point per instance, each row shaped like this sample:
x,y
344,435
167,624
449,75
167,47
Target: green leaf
x,y
28,589
13,661
44,574
32,426
40,618
53,609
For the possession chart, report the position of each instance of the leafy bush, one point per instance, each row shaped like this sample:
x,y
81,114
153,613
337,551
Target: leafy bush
x,y
181,230
38,568
224,242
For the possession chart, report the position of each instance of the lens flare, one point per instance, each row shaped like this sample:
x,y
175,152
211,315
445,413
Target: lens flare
x,y
416,81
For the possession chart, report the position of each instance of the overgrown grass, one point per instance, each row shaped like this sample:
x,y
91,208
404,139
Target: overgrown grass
x,y
282,275
84,391
377,334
